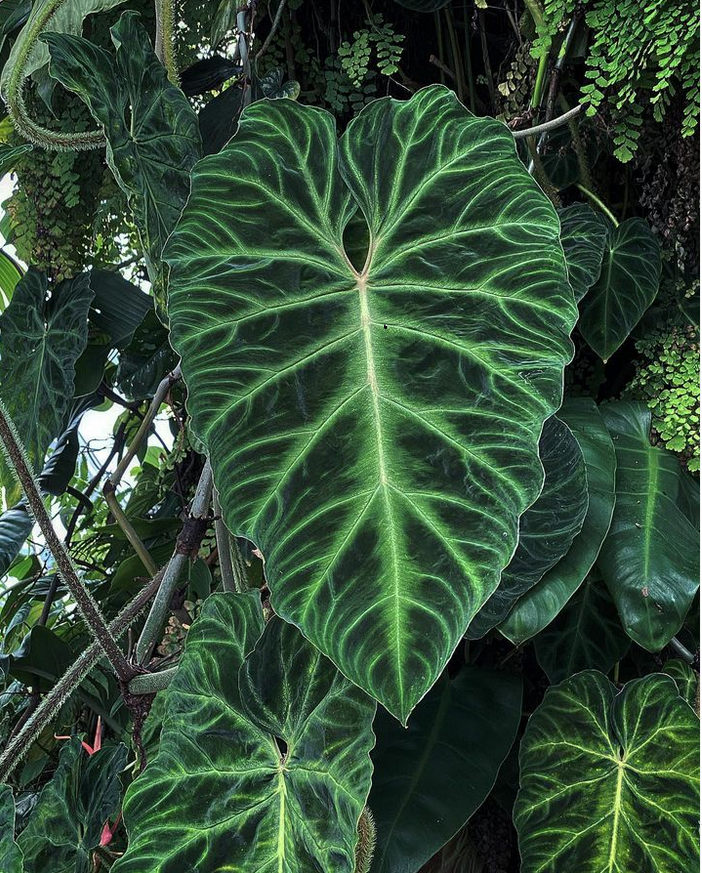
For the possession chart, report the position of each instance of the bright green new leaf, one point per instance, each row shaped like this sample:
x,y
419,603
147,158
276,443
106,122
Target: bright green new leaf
x,y
67,822
152,132
373,428
610,781
10,274
264,761
547,529
10,852
41,337
539,606
686,679
650,558
586,634
430,778
584,234
627,286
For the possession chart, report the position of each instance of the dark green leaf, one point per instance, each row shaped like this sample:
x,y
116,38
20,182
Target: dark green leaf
x,y
650,558
586,634
152,132
686,679
146,360
10,853
41,338
67,822
627,286
207,74
218,120
15,526
430,778
423,5
547,529
610,781
41,657
375,433
584,234
539,606
280,754
118,308
274,87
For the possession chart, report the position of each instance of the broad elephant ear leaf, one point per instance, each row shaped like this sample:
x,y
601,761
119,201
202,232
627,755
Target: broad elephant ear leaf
x,y
152,132
547,529
586,634
67,822
41,338
10,852
274,737
584,235
540,605
610,781
627,286
650,558
687,680
374,431
430,778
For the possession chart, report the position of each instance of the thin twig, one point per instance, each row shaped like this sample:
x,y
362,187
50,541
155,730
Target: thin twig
x,y
86,604
442,66
681,650
547,125
274,28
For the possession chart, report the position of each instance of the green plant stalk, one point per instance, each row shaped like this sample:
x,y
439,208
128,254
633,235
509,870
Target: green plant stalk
x,y
14,97
224,552
535,11
440,44
548,125
150,683
455,55
21,743
600,205
540,81
469,60
164,43
681,651
134,539
86,604
162,602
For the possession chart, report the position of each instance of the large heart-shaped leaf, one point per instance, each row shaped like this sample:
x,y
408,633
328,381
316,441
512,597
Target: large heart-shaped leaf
x,y
687,680
430,778
584,234
264,761
650,558
610,781
586,634
152,132
539,606
41,338
67,822
547,529
10,852
627,286
373,428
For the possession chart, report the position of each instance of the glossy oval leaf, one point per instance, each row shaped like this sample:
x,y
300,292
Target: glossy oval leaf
x,y
610,781
42,333
547,529
430,778
586,634
277,742
66,824
627,286
10,852
650,558
151,129
373,431
540,605
584,234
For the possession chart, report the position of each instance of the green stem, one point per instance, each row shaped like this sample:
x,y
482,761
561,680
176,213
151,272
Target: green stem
x,y
600,205
164,44
14,96
86,604
469,60
129,531
681,650
455,54
224,551
150,683
440,42
540,81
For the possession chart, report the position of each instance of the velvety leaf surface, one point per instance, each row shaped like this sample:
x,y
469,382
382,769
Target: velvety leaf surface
x,y
686,679
547,529
152,132
584,234
373,431
430,778
264,760
586,634
10,853
541,604
610,781
40,341
650,558
627,286
67,822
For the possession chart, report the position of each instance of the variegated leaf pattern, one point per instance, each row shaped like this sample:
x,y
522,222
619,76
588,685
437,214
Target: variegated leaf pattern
x,y
610,781
687,680
153,137
627,286
264,760
373,428
547,529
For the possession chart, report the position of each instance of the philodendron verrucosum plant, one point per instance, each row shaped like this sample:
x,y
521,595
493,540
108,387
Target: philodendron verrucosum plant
x,y
397,575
